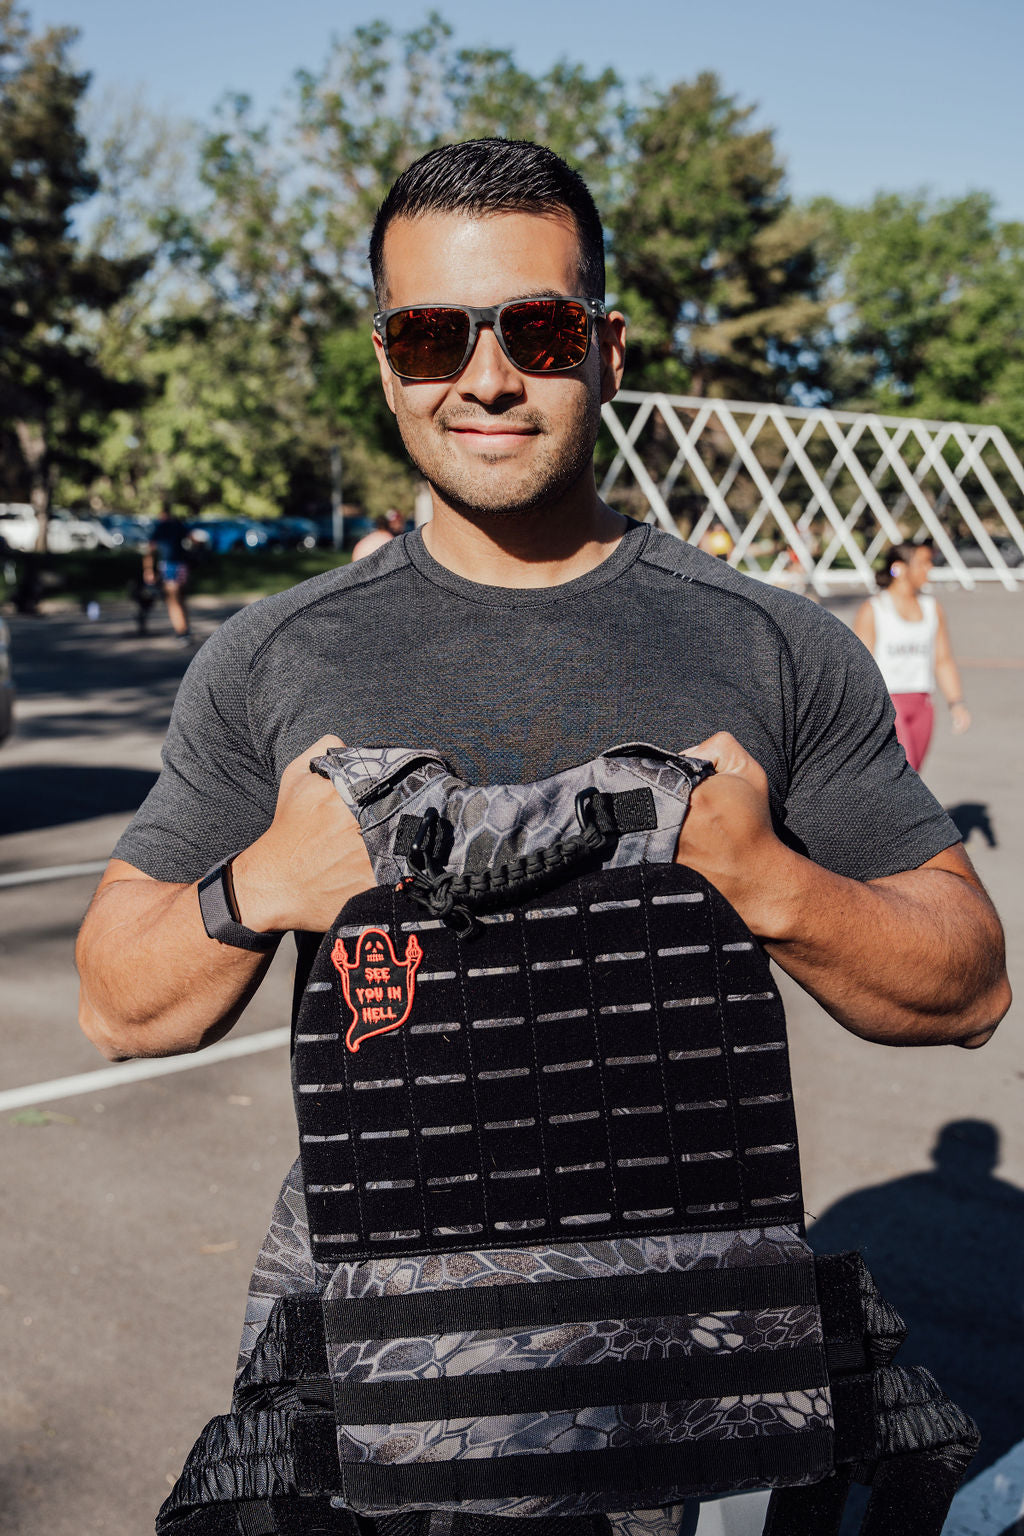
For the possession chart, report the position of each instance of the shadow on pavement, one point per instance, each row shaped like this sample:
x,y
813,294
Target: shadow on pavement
x,y
947,1249
971,817
55,794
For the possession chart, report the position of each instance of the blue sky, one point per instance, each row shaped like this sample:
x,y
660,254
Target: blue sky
x,y
865,95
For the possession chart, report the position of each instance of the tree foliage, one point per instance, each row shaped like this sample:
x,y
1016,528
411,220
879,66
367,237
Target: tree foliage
x,y
52,384
932,318
720,274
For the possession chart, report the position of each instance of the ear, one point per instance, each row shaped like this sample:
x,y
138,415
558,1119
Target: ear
x,y
611,339
387,378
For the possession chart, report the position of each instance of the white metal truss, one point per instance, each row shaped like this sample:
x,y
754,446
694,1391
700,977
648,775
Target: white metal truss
x,y
811,497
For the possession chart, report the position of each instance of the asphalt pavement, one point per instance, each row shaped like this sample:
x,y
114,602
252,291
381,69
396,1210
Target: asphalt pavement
x,y
133,1211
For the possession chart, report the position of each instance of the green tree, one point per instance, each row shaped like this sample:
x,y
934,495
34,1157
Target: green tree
x,y
265,277
719,273
931,307
51,382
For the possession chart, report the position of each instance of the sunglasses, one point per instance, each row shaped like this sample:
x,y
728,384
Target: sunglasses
x,y
436,341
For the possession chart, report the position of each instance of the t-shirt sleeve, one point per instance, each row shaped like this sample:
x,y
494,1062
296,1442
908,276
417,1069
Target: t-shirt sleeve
x,y
854,804
215,794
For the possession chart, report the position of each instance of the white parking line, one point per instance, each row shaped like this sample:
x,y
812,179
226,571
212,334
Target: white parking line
x,y
55,872
991,1503
137,1071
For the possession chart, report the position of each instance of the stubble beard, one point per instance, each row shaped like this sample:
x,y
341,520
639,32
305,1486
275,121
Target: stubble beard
x,y
557,463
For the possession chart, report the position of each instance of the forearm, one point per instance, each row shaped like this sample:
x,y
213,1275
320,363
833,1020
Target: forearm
x,y
947,676
913,959
152,982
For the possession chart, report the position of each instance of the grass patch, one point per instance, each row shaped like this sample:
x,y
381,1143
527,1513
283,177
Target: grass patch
x,y
108,575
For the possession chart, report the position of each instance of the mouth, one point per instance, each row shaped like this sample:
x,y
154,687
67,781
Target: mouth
x,y
490,436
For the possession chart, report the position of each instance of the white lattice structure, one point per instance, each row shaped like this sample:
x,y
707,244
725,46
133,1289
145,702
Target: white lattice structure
x,y
811,497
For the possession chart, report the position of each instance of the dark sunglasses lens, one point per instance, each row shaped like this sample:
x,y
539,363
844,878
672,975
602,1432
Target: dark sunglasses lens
x,y
427,343
545,335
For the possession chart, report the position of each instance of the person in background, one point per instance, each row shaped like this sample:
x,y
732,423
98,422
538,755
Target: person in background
x,y
716,540
906,632
386,528
164,560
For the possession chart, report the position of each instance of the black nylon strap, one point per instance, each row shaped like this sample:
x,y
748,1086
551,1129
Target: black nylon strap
x,y
314,1448
712,1465
221,921
408,826
510,1307
634,810
256,1517
291,1515
583,1386
304,1331
856,1418
842,1311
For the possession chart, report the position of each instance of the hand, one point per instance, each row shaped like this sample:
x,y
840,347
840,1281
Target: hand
x,y
960,716
310,860
728,836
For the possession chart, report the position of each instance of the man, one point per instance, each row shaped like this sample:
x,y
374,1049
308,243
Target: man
x,y
523,629
165,560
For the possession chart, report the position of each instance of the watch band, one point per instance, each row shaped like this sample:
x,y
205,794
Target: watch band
x,y
220,917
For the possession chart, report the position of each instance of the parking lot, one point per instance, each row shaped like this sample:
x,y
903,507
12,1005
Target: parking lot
x,y
134,1211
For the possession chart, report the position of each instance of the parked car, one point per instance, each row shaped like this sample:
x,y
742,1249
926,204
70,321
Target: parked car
x,y
66,531
356,526
6,685
223,535
973,555
126,531
293,533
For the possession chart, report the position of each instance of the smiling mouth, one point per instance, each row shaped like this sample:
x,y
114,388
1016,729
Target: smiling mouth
x,y
470,430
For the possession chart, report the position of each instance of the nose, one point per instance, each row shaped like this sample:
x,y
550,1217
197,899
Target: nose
x,y
489,376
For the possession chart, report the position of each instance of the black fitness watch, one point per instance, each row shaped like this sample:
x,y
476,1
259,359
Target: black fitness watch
x,y
220,915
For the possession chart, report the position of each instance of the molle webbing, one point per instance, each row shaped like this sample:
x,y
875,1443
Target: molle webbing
x,y
600,1062
885,1416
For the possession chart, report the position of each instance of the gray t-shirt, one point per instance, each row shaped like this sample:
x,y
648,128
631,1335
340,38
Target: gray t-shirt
x,y
659,643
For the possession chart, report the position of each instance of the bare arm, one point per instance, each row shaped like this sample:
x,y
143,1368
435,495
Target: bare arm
x,y
864,626
947,675
911,959
154,984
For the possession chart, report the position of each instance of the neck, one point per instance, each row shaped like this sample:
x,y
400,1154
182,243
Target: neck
x,y
542,548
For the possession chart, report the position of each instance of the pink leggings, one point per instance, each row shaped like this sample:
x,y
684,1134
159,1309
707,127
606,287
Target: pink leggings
x,y
914,720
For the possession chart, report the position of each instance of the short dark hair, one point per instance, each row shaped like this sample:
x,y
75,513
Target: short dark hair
x,y
903,553
488,176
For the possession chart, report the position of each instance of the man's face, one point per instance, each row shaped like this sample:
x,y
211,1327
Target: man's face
x,y
493,439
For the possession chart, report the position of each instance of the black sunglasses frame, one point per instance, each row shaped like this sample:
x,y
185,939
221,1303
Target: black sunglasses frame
x,y
489,315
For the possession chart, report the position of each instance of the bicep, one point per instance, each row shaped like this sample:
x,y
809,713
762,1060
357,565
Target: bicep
x,y
216,793
118,871
125,893
951,861
852,802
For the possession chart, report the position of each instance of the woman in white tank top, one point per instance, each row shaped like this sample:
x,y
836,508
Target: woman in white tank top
x,y
906,632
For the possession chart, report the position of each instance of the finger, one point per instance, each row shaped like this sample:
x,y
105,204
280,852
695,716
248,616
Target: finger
x,y
722,750
314,755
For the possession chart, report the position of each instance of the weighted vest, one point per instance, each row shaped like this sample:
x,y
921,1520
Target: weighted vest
x,y
542,1254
